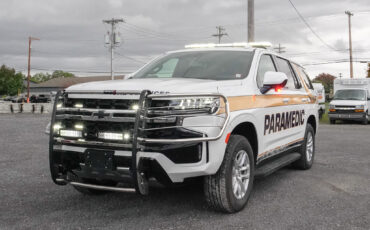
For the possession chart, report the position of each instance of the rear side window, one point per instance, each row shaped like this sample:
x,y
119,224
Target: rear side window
x,y
284,66
307,80
266,64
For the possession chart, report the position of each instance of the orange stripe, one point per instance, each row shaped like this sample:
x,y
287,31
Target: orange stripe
x,y
280,147
263,101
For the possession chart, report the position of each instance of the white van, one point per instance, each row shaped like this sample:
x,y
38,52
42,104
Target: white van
x,y
320,94
351,100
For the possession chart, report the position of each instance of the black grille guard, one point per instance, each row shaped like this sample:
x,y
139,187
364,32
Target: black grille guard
x,y
140,182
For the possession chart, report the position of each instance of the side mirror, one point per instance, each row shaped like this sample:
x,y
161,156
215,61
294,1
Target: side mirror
x,y
273,80
128,76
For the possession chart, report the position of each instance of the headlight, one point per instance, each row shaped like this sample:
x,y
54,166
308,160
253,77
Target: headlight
x,y
331,106
360,106
210,105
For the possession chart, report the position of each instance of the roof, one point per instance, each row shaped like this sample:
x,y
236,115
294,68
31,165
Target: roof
x,y
62,82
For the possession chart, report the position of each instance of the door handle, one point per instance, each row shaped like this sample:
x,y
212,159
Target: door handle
x,y
286,100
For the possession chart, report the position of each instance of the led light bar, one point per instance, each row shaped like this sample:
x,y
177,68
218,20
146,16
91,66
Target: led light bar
x,y
70,133
235,44
114,136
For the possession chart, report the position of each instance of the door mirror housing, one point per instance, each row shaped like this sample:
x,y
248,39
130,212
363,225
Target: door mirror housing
x,y
128,76
273,80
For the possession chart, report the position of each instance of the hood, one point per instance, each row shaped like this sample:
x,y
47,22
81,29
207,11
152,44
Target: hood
x,y
347,102
168,85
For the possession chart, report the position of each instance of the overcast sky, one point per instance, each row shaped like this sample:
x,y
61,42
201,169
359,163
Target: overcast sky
x,y
72,32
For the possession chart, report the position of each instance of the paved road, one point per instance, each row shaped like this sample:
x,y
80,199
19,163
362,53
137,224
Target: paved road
x,y
334,194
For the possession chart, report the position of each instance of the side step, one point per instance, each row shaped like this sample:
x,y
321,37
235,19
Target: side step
x,y
276,164
100,187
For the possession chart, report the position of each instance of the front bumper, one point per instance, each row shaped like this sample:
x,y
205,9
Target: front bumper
x,y
180,154
347,116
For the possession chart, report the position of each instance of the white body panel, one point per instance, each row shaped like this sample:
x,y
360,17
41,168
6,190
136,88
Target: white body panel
x,y
246,87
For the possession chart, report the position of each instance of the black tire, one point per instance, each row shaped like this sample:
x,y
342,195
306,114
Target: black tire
x,y
218,188
332,121
365,121
304,163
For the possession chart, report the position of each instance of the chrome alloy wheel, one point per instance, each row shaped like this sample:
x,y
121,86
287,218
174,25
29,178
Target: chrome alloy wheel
x,y
309,147
240,174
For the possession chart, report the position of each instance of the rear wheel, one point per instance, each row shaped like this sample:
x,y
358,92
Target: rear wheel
x,y
229,189
307,150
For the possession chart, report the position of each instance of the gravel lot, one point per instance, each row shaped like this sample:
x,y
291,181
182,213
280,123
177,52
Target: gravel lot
x,y
334,194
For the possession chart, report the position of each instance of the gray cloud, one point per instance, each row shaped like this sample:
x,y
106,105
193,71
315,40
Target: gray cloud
x,y
72,32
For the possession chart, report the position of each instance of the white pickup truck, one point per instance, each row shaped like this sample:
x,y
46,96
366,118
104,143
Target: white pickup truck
x,y
351,100
320,94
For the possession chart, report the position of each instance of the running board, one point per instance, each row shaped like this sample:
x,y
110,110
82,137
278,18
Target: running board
x,y
276,164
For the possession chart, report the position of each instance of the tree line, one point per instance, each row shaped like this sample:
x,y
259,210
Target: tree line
x,y
11,82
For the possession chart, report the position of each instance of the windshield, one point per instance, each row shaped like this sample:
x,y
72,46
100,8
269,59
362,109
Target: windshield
x,y
350,94
215,65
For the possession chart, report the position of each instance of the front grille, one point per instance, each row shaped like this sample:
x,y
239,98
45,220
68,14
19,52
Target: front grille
x,y
345,111
116,114
345,107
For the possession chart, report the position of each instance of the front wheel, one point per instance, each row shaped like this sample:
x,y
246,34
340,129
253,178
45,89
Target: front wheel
x,y
229,189
307,150
332,121
365,121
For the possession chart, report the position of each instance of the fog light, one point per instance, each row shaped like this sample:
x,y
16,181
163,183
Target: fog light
x,y
56,127
79,126
70,133
78,105
135,107
126,136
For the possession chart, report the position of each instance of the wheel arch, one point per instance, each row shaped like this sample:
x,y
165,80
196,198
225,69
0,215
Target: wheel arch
x,y
312,121
248,130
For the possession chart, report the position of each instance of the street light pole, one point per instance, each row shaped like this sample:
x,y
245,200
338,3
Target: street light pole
x,y
29,67
350,43
250,20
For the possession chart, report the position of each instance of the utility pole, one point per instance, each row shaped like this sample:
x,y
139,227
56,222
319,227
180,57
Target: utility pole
x,y
113,40
350,43
250,20
220,33
280,49
29,67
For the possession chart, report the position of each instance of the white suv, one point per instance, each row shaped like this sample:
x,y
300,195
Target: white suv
x,y
228,113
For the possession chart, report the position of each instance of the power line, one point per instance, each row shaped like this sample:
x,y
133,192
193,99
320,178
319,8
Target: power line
x,y
131,58
335,62
78,71
308,26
